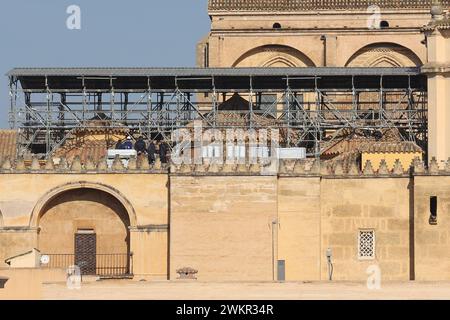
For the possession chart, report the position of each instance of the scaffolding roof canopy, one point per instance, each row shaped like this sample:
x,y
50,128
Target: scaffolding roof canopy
x,y
205,78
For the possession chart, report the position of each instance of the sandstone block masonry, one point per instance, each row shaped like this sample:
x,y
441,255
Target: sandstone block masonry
x,y
238,222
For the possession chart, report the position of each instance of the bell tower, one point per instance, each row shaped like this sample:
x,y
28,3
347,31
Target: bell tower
x,y
438,71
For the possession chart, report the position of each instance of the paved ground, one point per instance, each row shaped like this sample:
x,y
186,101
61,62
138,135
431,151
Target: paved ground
x,y
126,289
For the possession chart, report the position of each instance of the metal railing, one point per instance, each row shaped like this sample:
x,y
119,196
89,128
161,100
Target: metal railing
x,y
107,265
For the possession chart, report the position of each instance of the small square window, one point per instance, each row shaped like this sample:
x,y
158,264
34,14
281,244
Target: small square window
x,y
366,244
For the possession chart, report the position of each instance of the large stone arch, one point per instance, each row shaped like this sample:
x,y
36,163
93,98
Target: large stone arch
x,y
384,54
274,56
50,195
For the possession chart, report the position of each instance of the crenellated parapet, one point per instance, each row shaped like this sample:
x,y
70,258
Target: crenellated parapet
x,y
76,166
288,168
315,168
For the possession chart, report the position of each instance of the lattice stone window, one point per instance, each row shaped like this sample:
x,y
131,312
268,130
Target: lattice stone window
x,y
366,244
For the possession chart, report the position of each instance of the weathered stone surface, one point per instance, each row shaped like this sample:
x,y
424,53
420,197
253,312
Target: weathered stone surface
x,y
50,164
20,164
368,169
35,165
299,168
132,163
383,170
6,165
353,169
315,168
142,163
398,168
102,165
214,168
186,168
63,165
90,165
76,164
339,169
434,166
117,164
419,166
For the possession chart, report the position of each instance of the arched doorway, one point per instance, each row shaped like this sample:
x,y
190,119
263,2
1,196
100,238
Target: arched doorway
x,y
86,227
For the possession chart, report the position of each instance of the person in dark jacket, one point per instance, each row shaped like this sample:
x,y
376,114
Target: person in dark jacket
x,y
119,145
128,144
140,146
163,152
151,151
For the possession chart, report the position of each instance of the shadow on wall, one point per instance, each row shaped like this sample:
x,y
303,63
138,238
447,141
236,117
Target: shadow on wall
x,y
274,56
384,55
84,209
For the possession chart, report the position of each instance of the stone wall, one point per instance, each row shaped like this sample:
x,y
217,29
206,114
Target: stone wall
x,y
432,241
351,205
237,222
299,226
222,227
333,38
33,192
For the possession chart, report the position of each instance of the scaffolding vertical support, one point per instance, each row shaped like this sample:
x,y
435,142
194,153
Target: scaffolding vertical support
x,y
178,106
318,134
250,99
214,102
48,119
12,98
381,101
288,110
149,108
84,102
411,136
112,98
354,101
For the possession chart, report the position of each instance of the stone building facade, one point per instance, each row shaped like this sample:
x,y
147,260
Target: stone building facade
x,y
235,223
315,34
232,223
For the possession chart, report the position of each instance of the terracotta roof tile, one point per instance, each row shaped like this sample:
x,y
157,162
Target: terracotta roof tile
x,y
8,139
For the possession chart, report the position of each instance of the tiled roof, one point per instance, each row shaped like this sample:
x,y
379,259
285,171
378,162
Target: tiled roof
x,y
355,144
305,5
392,147
90,142
8,139
94,149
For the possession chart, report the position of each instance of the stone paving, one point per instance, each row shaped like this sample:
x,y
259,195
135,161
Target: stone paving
x,y
164,290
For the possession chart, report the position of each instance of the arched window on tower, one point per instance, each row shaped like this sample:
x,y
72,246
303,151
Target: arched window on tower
x,y
384,24
276,25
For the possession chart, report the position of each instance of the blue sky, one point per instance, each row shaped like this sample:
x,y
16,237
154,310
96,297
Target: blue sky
x,y
133,33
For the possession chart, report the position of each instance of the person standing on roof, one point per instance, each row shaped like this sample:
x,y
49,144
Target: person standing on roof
x,y
140,146
119,145
151,151
163,152
128,144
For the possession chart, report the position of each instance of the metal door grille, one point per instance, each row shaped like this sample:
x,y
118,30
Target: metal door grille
x,y
85,253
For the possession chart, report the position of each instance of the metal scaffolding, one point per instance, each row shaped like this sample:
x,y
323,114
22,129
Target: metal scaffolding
x,y
312,107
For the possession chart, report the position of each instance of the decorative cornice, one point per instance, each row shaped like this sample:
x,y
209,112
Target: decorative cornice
x,y
311,5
